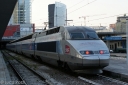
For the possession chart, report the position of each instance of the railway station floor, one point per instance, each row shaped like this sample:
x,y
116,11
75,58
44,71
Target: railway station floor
x,y
118,66
119,54
4,73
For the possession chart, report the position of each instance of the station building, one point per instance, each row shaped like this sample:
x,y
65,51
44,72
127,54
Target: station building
x,y
115,41
121,24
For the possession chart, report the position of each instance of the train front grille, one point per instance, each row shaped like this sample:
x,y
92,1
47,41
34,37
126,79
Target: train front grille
x,y
96,52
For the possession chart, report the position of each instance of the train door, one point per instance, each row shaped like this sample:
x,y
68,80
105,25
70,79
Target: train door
x,y
63,35
34,45
59,49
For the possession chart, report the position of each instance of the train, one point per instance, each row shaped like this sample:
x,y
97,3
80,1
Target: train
x,y
77,48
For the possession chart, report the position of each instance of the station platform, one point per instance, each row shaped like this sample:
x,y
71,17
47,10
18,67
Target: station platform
x,y
118,66
118,54
4,73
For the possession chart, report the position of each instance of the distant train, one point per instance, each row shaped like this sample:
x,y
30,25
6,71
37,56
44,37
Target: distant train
x,y
70,47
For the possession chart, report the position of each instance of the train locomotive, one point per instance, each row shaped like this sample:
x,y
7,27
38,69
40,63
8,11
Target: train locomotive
x,y
77,48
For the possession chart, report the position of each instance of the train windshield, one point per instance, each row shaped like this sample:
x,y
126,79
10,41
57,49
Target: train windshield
x,y
84,36
77,36
91,35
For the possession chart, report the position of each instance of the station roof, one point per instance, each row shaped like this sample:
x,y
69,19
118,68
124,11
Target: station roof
x,y
6,10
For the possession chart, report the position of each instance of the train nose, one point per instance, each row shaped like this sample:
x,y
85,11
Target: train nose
x,y
104,60
96,60
91,61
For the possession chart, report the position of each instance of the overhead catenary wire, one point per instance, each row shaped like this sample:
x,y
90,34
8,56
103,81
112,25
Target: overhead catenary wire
x,y
75,9
107,17
97,18
82,6
101,18
92,15
76,4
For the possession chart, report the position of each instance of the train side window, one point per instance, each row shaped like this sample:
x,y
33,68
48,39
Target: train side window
x,y
77,35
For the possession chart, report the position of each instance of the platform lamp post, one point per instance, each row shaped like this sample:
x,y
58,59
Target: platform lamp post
x,y
127,39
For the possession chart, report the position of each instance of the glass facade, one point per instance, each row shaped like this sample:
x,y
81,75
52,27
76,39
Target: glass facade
x,y
21,13
57,14
60,14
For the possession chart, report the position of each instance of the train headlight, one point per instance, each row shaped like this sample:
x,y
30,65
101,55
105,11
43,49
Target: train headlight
x,y
86,52
103,52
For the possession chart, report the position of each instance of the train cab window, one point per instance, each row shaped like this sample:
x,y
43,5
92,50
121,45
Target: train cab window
x,y
91,35
77,35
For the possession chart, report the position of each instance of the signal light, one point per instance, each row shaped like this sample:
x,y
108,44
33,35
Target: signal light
x,y
87,52
101,52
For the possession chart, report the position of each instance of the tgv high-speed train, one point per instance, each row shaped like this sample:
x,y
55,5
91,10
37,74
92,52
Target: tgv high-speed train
x,y
72,47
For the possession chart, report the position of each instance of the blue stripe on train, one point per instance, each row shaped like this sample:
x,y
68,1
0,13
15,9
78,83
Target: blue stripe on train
x,y
29,46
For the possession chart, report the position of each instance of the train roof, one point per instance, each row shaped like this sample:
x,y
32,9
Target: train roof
x,y
23,38
62,28
70,28
55,30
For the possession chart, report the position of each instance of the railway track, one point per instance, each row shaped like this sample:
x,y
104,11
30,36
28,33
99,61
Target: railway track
x,y
53,77
20,78
59,78
101,80
16,77
26,75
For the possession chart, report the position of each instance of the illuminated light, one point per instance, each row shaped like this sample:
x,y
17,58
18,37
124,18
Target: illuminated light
x,y
87,52
101,52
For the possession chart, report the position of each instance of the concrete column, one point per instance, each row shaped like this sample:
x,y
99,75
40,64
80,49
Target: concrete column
x,y
127,38
108,44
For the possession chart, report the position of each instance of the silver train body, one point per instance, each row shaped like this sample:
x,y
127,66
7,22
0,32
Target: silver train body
x,y
76,47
